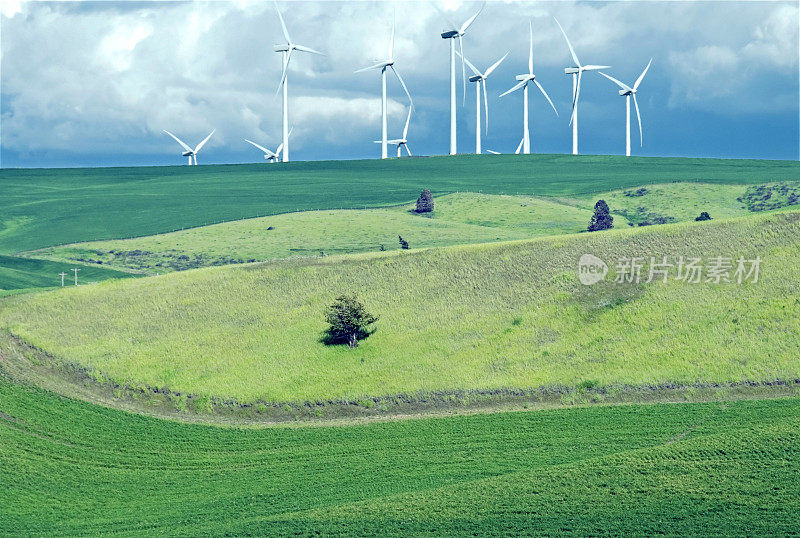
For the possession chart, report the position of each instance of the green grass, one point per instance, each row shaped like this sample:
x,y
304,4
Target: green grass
x,y
458,219
73,468
22,273
46,207
479,316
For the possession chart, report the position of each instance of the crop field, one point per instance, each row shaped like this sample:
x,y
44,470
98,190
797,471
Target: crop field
x,y
47,207
70,467
477,316
18,273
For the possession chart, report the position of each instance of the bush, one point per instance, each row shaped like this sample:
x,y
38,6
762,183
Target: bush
x,y
424,202
602,219
403,242
349,322
703,216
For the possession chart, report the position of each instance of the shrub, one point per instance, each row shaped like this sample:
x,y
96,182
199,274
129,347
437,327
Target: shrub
x,y
424,202
349,322
602,219
703,216
403,242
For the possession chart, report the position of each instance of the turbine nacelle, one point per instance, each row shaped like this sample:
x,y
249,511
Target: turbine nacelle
x,y
526,77
282,48
450,34
187,153
572,70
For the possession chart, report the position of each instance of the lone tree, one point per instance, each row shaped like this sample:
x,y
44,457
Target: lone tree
x,y
602,219
424,202
703,216
349,322
403,242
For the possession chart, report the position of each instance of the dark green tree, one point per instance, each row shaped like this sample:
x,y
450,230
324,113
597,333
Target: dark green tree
x,y
703,216
602,219
349,321
403,242
424,202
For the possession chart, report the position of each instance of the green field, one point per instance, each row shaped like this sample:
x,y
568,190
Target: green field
x,y
23,273
70,468
464,317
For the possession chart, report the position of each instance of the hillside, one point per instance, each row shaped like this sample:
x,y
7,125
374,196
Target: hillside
x,y
465,317
69,468
46,207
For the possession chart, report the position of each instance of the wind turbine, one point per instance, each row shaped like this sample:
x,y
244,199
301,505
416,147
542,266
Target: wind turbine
x,y
401,142
189,151
286,52
576,73
480,80
271,156
456,32
627,92
383,66
524,79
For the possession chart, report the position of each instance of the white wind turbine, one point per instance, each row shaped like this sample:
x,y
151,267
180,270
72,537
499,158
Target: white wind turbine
x,y
480,80
627,92
383,66
576,73
286,52
269,155
524,79
456,32
189,151
401,142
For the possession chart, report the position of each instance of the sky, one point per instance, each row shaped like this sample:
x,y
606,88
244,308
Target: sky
x,y
95,83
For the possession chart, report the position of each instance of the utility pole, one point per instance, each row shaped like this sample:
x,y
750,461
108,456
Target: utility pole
x,y
75,270
62,274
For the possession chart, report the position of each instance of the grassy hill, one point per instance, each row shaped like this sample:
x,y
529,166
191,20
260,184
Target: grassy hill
x,y
478,316
46,207
70,467
18,273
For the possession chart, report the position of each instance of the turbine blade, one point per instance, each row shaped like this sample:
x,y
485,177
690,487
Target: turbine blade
x,y
278,151
493,152
618,83
285,71
407,150
545,95
308,49
403,84
290,132
380,65
595,67
391,41
203,143
463,71
639,80
283,24
262,148
519,148
178,140
515,88
445,17
485,105
639,119
408,120
471,20
575,101
530,56
469,64
494,66
571,50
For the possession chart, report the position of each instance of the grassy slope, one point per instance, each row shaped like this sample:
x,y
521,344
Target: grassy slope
x,y
45,207
458,219
70,467
481,316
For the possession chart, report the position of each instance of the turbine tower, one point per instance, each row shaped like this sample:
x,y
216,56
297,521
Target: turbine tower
x,y
269,155
524,79
480,80
576,72
286,52
626,91
383,66
401,142
189,151
456,32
